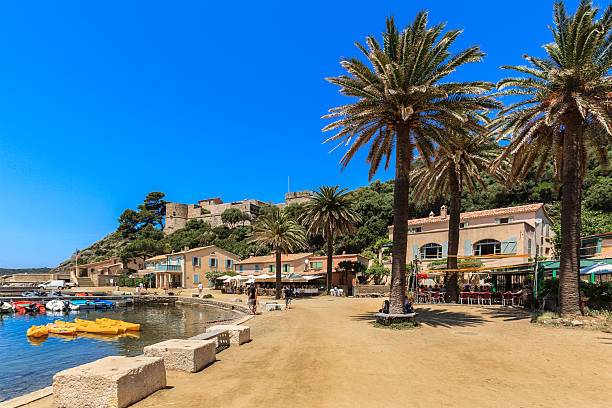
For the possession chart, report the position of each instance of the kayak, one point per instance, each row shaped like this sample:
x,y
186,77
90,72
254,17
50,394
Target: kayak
x,y
59,329
37,331
126,325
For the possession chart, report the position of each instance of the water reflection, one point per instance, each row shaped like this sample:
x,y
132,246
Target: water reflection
x,y
29,364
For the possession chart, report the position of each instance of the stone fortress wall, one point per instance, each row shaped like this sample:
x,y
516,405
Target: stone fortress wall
x,y
210,210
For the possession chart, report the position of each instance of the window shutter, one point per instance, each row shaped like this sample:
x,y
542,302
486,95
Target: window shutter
x,y
467,248
445,249
210,262
509,246
415,252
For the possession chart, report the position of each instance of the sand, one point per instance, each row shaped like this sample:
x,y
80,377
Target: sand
x,y
325,352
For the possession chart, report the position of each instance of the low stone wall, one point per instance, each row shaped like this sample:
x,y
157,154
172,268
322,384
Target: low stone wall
x,y
240,309
371,290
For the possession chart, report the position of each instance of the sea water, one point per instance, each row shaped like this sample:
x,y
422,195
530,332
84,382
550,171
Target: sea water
x,y
29,364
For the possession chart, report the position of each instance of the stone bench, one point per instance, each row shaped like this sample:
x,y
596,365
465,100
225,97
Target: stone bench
x,y
114,381
221,338
391,318
239,334
273,306
184,355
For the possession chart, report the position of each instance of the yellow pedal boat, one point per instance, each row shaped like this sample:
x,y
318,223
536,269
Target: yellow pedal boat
x,y
88,326
55,328
126,325
37,331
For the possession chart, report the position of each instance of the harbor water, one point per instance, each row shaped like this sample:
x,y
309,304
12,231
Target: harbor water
x,y
29,364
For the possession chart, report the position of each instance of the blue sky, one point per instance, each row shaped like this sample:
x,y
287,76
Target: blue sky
x,y
102,102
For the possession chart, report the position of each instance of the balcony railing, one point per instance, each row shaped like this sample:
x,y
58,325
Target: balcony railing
x,y
169,268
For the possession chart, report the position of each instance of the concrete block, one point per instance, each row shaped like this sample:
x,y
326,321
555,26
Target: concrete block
x,y
221,337
239,334
183,355
273,306
114,381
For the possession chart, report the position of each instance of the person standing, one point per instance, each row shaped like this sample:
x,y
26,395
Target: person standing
x,y
200,288
288,294
252,294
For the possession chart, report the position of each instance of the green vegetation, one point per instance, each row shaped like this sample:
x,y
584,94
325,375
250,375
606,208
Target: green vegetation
x,y
377,272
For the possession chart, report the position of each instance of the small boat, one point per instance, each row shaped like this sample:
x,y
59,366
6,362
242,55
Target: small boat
x,y
83,303
126,325
103,304
73,307
35,293
37,331
6,307
23,307
56,305
60,329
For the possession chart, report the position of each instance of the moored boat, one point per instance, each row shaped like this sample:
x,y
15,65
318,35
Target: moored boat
x,y
56,305
83,303
23,307
60,329
126,325
6,307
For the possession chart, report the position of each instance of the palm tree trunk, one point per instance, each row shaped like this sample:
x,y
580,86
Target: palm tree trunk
x,y
403,156
330,257
453,236
278,274
569,296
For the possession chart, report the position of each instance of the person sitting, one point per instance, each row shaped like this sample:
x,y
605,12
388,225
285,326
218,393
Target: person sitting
x,y
385,307
466,287
407,306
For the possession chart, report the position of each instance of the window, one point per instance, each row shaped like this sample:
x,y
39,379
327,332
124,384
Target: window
x,y
431,251
487,247
285,267
529,246
256,267
463,224
174,213
316,265
229,263
271,268
212,262
196,261
241,268
414,230
196,278
504,220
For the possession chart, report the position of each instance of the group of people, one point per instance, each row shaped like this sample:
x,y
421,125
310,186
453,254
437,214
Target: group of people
x,y
475,288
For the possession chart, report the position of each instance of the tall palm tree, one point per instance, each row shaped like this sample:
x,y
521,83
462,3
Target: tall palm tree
x,y
400,104
281,233
460,163
563,112
329,213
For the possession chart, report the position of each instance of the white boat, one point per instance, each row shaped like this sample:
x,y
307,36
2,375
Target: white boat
x,y
55,305
5,307
73,307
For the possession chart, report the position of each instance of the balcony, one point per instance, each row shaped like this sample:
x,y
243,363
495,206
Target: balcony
x,y
168,268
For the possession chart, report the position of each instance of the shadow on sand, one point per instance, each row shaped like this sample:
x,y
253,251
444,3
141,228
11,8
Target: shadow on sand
x,y
508,314
436,317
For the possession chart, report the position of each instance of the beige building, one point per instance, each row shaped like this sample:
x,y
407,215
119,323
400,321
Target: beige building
x,y
597,246
210,210
291,263
499,237
100,273
188,268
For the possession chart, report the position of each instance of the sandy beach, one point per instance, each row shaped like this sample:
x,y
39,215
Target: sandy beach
x,y
326,352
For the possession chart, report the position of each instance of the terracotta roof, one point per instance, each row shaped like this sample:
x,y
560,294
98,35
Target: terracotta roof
x,y
480,214
272,258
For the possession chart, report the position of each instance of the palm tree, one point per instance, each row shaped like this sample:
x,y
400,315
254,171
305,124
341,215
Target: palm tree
x,y
281,233
564,112
329,213
460,163
399,104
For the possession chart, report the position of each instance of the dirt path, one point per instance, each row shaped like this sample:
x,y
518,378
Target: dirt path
x,y
325,352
